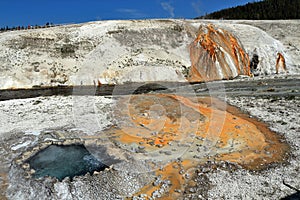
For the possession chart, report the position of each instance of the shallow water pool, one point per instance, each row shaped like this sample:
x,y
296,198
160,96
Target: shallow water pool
x,y
64,161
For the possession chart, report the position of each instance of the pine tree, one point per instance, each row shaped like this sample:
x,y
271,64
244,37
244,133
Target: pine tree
x,y
261,10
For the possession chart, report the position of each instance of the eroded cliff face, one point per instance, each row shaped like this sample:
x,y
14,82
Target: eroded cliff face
x,y
217,54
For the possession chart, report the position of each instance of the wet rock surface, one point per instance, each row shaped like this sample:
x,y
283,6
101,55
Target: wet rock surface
x,y
116,182
216,54
281,114
138,175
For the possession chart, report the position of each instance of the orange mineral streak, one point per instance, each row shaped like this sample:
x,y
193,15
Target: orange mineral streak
x,y
216,54
240,139
233,127
175,172
155,121
152,121
280,62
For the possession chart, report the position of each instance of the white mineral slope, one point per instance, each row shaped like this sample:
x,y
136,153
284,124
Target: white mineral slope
x,y
267,39
287,32
116,52
86,53
262,44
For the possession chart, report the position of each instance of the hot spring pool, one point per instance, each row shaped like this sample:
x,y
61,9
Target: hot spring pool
x,y
64,161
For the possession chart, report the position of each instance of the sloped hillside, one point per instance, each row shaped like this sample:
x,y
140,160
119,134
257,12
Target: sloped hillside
x,y
117,52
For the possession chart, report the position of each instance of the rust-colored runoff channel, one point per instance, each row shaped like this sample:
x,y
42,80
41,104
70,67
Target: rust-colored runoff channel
x,y
157,122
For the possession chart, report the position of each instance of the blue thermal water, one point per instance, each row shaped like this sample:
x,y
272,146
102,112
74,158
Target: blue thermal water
x,y
64,161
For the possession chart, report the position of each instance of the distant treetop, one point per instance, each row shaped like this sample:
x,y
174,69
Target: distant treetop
x,y
262,10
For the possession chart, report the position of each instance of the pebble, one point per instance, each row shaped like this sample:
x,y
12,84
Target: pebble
x,y
177,190
156,182
192,190
156,194
187,176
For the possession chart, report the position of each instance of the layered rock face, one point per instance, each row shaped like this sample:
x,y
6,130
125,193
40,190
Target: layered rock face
x,y
217,54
